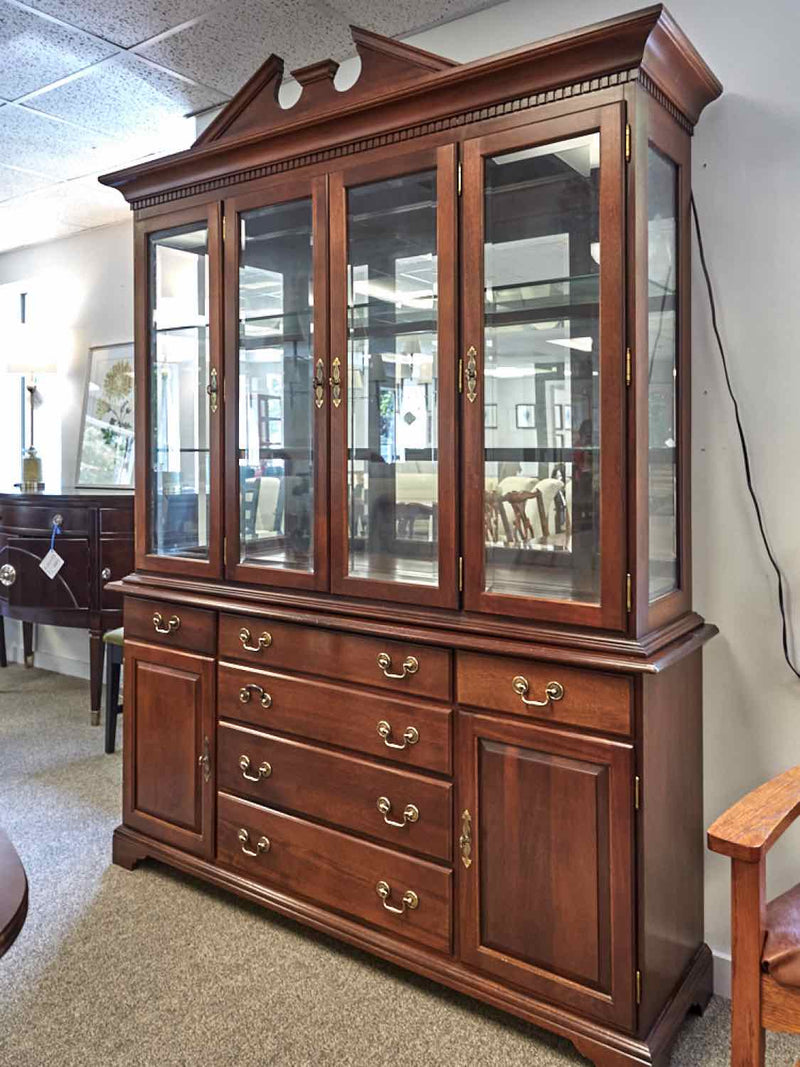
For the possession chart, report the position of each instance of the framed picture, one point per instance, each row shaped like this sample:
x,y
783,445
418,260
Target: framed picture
x,y
490,416
526,416
105,455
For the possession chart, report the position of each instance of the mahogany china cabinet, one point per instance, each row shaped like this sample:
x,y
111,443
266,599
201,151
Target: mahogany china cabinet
x,y
410,653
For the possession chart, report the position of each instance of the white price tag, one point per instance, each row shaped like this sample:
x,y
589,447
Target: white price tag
x,y
52,563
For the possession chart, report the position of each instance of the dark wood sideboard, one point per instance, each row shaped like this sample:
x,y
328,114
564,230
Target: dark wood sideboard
x,y
96,543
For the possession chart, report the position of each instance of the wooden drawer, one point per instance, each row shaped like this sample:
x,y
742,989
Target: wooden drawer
x,y
593,699
338,789
331,654
116,520
415,734
336,871
39,518
195,629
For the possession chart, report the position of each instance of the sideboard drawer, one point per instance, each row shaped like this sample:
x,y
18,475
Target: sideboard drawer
x,y
594,699
162,623
415,734
405,810
417,670
39,518
336,871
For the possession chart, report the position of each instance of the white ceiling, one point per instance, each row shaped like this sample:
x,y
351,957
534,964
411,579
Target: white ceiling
x,y
88,86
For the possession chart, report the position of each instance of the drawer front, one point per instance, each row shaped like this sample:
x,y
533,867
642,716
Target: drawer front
x,y
567,695
336,871
421,670
116,520
39,519
162,623
415,734
405,810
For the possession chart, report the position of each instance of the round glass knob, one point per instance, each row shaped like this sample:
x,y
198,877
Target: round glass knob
x,y
105,573
8,574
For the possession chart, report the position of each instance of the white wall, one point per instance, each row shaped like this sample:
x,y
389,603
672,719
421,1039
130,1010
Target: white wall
x,y
746,168
83,287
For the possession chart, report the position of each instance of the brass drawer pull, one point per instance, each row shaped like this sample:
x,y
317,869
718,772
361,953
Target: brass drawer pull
x,y
410,898
410,812
264,641
262,845
245,694
410,735
410,665
173,623
264,769
553,691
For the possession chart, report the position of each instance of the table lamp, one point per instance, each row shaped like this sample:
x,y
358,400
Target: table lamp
x,y
31,361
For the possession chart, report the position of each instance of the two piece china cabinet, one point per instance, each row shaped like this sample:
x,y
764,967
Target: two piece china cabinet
x,y
410,653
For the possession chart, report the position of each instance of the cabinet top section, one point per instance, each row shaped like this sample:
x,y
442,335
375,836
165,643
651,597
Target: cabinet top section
x,y
122,498
403,92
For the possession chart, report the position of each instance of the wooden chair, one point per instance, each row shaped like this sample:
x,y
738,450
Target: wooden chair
x,y
114,642
765,936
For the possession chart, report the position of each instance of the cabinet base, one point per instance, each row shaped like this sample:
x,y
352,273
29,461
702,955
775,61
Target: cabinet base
x,y
604,1046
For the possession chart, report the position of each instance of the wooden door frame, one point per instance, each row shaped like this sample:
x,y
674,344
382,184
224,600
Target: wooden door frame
x,y
615,1005
397,163
610,613
204,667
278,192
209,215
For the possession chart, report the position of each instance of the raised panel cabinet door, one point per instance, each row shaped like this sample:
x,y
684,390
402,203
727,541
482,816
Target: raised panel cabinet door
x,y
543,404
178,335
276,373
169,754
393,379
545,863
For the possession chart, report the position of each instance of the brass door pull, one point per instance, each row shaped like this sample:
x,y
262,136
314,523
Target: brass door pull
x,y
553,691
246,692
262,845
264,769
173,623
471,374
410,813
319,383
335,382
213,391
264,641
410,665
410,735
204,760
410,898
465,840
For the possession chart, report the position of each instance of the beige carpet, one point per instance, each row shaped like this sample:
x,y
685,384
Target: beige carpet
x,y
152,968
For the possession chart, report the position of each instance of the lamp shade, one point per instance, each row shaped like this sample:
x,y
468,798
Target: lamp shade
x,y
30,350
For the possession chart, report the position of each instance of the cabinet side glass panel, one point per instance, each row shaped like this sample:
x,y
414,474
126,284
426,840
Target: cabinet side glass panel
x,y
662,372
392,417
180,483
542,259
276,413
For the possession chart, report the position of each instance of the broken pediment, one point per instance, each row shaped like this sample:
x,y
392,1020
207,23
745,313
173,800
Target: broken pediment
x,y
385,64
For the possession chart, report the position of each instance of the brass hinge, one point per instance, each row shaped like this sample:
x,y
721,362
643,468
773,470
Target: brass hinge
x,y
461,376
627,142
628,597
224,226
459,179
460,574
627,366
637,793
638,987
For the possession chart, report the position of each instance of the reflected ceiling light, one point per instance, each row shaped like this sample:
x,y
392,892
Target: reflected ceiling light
x,y
581,344
419,298
594,251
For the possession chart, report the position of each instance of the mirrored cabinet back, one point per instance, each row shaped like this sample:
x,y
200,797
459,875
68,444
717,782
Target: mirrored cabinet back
x,y
410,649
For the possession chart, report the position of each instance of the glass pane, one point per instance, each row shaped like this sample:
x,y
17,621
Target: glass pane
x,y
392,419
276,413
662,372
179,374
541,372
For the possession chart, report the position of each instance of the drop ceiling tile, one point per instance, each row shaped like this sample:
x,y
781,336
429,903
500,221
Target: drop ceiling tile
x,y
224,49
82,203
36,51
125,22
391,17
18,182
126,97
32,141
22,225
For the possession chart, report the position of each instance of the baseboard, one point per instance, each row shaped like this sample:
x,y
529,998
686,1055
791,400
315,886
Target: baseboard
x,y
48,661
722,974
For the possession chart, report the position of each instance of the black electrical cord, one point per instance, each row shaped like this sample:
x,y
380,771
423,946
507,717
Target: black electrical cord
x,y
743,441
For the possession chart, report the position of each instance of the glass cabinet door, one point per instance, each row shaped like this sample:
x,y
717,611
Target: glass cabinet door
x,y
276,254
178,338
393,349
544,370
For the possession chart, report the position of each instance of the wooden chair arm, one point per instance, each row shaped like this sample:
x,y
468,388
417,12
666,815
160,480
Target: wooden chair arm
x,y
749,829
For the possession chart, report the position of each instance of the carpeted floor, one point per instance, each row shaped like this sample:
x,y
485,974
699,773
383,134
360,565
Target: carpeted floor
x,y
152,968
